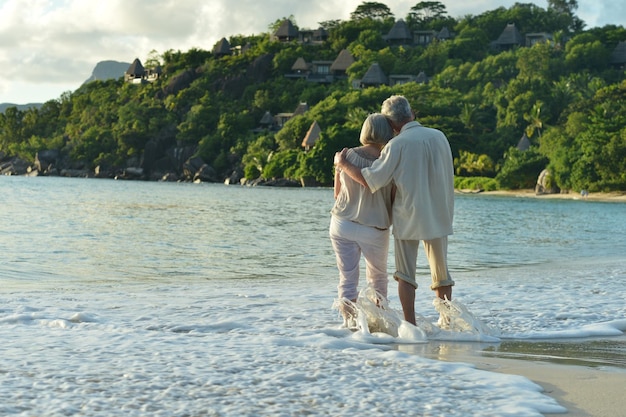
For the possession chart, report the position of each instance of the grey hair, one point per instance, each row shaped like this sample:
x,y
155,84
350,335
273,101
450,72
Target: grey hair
x,y
376,129
397,109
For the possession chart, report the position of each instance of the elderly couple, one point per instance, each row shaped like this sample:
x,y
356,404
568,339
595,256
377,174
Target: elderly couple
x,y
406,181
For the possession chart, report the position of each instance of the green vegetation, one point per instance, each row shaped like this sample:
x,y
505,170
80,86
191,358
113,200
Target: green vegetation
x,y
563,94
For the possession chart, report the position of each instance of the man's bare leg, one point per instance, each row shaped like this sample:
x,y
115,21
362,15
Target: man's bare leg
x,y
407,298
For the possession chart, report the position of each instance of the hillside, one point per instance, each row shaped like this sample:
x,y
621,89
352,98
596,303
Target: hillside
x,y
522,94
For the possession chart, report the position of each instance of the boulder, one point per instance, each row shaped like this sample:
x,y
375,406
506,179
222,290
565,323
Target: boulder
x,y
191,166
544,184
14,166
75,173
45,160
179,82
234,178
206,173
169,177
149,156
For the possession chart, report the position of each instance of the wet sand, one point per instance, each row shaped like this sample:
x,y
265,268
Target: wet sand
x,y
584,391
587,377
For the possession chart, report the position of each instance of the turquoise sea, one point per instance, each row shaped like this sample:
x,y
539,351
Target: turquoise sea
x,y
176,299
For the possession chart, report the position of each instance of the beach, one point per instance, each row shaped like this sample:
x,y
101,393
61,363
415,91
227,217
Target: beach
x,y
617,196
584,391
588,381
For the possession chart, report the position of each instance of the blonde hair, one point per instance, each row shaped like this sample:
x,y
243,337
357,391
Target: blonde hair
x,y
376,130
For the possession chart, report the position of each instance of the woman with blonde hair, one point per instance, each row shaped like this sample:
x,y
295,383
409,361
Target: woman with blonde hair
x,y
361,220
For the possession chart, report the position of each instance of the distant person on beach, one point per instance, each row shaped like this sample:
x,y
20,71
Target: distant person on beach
x,y
419,162
361,219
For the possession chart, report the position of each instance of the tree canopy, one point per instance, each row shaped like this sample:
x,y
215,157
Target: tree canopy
x,y
235,112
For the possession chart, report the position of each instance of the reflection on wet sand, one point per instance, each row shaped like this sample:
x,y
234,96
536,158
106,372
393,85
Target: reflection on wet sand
x,y
604,352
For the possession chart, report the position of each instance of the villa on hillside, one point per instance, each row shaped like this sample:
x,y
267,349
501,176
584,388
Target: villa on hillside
x,y
222,48
326,71
509,38
322,71
137,74
276,122
311,137
618,57
287,32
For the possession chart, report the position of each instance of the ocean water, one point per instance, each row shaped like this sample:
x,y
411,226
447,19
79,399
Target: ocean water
x,y
161,299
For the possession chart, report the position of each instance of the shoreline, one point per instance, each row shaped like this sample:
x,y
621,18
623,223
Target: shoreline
x,y
586,384
616,196
583,391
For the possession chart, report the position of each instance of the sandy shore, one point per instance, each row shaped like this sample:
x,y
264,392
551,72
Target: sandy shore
x,y
588,381
618,196
584,391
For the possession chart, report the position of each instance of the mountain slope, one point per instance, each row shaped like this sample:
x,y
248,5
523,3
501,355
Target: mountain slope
x,y
106,70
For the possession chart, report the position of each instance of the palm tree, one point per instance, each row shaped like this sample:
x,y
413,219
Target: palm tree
x,y
533,118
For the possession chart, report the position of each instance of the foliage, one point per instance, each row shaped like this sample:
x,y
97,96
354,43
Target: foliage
x,y
470,165
520,169
563,94
425,12
371,10
476,183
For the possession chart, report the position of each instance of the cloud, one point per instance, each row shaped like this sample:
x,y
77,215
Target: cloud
x,y
51,46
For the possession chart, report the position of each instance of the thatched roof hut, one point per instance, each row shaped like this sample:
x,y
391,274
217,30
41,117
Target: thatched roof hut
x,y
312,135
301,109
524,143
618,56
399,33
444,34
267,119
286,32
222,48
342,62
509,37
135,72
374,76
421,78
300,66
136,69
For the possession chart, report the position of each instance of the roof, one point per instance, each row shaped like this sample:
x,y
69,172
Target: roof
x,y
421,78
524,143
301,109
618,56
136,68
286,30
374,75
399,32
510,36
267,119
222,47
343,61
312,135
300,65
444,33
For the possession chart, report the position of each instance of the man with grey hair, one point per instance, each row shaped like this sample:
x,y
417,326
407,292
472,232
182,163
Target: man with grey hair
x,y
418,160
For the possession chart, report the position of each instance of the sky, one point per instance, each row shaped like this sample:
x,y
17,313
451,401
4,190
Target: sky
x,y
48,47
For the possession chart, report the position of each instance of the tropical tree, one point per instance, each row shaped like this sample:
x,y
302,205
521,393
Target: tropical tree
x,y
371,10
426,12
